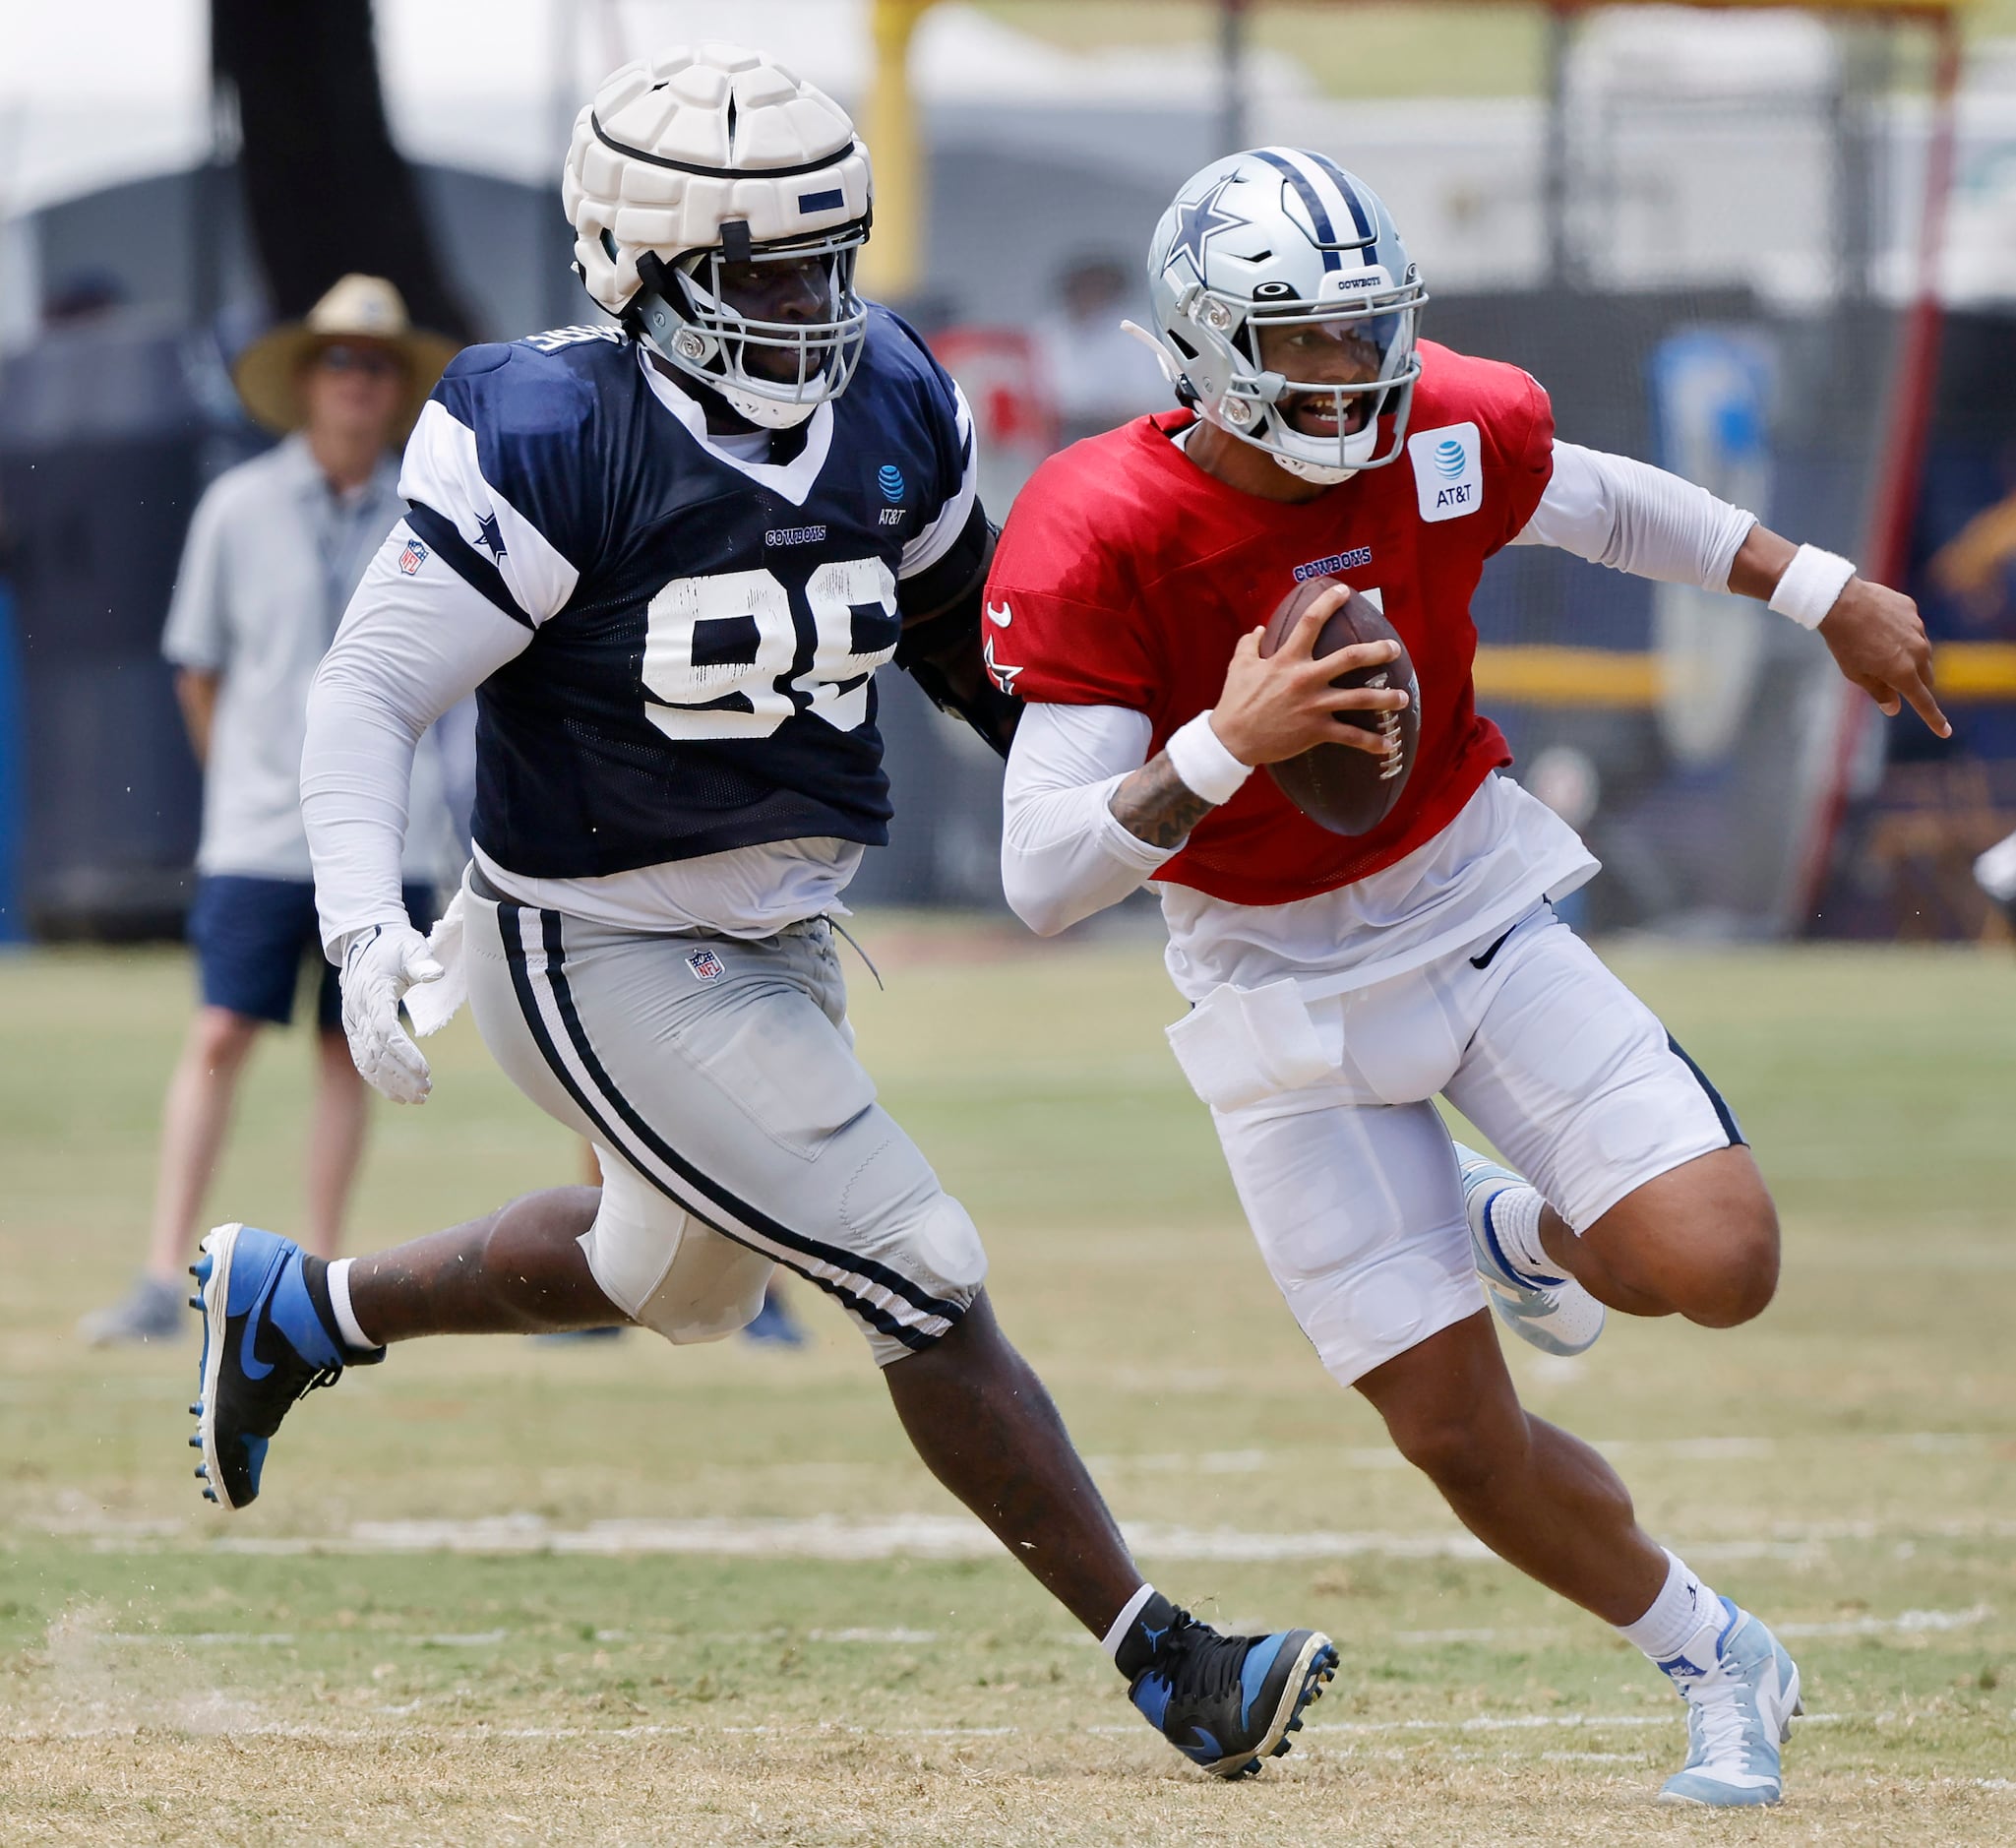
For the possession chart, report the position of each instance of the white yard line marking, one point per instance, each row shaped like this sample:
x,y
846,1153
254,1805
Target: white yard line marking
x,y
255,1639
1180,1463
196,1639
961,1537
1722,1449
829,1537
470,1735
1532,1722
1431,1637
872,1635
1905,1623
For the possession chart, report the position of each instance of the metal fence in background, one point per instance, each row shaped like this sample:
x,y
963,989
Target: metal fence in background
x,y
1703,273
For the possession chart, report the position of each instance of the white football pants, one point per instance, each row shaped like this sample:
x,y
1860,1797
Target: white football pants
x,y
1351,1184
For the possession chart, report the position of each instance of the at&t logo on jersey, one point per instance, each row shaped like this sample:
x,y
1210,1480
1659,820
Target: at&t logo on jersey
x,y
1449,471
890,489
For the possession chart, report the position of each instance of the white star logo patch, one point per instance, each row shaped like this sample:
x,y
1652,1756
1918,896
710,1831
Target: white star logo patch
x,y
1002,673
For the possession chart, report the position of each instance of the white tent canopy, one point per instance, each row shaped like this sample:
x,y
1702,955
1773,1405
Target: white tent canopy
x,y
92,95
118,89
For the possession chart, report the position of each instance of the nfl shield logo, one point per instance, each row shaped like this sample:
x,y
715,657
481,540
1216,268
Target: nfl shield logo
x,y
413,557
705,965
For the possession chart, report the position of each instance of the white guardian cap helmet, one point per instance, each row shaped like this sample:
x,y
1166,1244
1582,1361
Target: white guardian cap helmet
x,y
710,157
1280,236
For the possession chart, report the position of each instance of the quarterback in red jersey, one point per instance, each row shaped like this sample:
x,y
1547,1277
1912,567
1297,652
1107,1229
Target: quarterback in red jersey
x,y
1339,983
1181,564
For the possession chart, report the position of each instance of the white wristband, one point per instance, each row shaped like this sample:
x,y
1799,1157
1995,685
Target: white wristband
x,y
1810,584
1198,756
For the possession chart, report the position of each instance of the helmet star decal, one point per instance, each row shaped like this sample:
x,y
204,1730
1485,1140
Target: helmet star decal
x,y
1195,223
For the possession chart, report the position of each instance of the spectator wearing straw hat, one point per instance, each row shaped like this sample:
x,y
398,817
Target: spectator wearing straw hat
x,y
274,549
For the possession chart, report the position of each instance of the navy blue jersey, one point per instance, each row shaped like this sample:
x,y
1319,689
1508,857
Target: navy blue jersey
x,y
705,629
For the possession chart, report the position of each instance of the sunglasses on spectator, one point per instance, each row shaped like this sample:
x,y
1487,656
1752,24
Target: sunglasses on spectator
x,y
371,362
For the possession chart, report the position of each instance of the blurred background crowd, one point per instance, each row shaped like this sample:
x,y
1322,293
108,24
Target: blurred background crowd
x,y
1773,249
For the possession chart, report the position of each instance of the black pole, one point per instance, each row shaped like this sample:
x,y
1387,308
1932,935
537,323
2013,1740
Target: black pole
x,y
1561,256
327,190
1231,76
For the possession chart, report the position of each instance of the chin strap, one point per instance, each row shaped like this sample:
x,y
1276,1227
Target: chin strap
x,y
769,413
1187,393
1319,472
1171,370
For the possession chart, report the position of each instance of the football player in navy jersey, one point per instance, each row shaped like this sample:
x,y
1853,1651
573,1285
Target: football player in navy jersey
x,y
668,556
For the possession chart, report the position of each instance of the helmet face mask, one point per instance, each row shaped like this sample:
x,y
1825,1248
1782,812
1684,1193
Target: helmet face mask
x,y
1272,241
775,330
1267,407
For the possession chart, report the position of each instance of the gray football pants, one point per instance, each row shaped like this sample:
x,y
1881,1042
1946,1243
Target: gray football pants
x,y
736,1129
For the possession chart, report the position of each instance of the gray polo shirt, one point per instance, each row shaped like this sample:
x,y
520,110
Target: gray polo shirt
x,y
271,560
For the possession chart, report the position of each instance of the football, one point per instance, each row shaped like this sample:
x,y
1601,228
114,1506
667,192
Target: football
x,y
1338,786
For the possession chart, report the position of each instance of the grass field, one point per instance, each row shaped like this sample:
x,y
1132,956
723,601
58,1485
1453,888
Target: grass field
x,y
501,1593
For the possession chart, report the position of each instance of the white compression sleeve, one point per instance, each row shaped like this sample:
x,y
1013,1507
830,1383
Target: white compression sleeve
x,y
408,648
1634,517
1063,853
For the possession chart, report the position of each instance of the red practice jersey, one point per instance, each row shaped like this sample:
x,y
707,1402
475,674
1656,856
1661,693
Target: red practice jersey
x,y
1125,577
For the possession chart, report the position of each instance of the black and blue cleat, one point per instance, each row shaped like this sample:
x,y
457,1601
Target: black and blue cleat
x,y
1228,1702
268,1337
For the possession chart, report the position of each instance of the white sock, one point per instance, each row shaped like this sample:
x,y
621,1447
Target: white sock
x,y
339,1279
1684,1608
1515,1222
1121,1624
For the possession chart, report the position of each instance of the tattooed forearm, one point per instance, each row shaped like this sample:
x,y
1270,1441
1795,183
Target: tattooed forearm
x,y
1156,805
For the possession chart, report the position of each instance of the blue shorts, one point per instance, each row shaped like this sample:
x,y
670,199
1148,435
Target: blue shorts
x,y
252,936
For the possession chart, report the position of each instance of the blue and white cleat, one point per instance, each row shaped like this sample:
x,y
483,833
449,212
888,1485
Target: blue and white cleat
x,y
268,1337
1226,1702
1553,1313
1741,1692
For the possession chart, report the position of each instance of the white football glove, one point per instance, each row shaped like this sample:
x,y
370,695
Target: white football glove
x,y
379,967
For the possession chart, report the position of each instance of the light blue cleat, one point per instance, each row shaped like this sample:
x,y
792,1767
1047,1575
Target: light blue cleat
x,y
1741,1692
1553,1313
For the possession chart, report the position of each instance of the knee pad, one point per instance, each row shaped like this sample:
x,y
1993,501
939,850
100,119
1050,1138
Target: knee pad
x,y
633,1239
713,1288
948,1243
1360,1320
664,1269
899,1214
901,1217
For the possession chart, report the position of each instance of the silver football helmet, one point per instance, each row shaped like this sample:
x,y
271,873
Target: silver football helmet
x,y
1281,238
